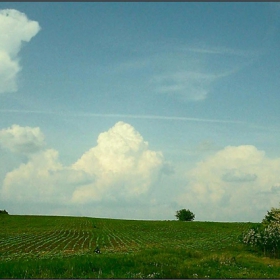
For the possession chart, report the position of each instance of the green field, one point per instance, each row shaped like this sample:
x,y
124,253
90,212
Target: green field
x,y
63,247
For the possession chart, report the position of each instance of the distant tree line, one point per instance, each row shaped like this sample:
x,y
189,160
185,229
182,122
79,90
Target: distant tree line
x,y
3,212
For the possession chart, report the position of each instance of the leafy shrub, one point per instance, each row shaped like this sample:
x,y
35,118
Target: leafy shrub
x,y
272,216
3,212
267,235
184,215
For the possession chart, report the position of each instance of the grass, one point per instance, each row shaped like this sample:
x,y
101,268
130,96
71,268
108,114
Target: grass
x,y
63,247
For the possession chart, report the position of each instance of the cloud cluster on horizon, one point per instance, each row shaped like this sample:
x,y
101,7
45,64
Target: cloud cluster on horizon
x,y
15,28
235,183
120,166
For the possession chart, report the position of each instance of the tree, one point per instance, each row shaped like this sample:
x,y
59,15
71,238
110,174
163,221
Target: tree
x,y
3,212
184,215
272,216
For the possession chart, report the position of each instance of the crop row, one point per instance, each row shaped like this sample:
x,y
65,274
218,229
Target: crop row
x,y
70,235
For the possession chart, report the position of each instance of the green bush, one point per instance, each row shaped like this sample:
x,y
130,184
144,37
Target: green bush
x,y
272,216
184,215
267,235
3,212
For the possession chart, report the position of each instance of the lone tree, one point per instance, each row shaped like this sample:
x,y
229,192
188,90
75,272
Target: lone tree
x,y
184,215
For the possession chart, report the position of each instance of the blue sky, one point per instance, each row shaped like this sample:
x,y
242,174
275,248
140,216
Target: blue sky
x,y
136,110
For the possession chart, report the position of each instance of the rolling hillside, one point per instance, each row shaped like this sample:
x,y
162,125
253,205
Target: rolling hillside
x,y
63,247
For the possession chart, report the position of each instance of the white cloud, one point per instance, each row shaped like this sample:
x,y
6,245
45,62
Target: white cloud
x,y
15,28
235,183
42,179
221,51
120,167
31,181
8,71
151,117
122,163
24,140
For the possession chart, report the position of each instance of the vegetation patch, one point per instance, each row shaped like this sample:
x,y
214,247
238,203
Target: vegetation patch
x,y
65,247
266,236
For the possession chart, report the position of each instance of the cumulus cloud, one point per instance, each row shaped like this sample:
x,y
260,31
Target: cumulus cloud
x,y
236,182
31,181
24,140
119,167
42,179
122,163
15,28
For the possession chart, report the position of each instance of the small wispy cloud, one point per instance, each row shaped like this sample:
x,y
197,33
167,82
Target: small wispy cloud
x,y
222,51
97,115
190,73
189,85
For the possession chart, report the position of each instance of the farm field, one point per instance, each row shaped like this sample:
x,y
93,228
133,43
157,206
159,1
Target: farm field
x,y
63,247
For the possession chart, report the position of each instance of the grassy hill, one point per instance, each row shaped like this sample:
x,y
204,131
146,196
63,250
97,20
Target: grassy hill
x,y
63,247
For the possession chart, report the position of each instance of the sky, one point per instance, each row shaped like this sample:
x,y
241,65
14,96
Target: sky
x,y
137,110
